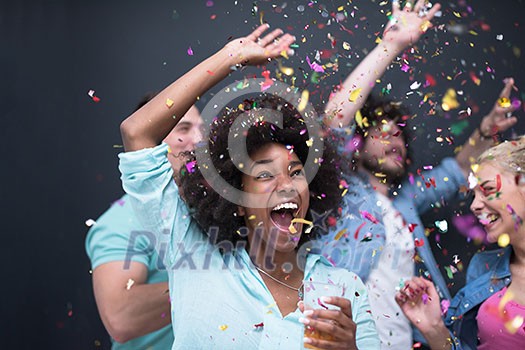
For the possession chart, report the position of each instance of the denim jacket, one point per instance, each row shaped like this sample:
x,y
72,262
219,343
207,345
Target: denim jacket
x,y
488,273
357,240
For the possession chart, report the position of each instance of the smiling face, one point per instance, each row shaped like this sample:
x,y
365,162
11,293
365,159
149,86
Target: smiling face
x,y
384,150
183,137
276,177
499,201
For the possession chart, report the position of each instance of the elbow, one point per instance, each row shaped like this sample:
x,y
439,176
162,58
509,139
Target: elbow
x,y
119,329
128,133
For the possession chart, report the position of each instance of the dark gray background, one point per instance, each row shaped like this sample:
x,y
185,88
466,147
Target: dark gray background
x,y
59,148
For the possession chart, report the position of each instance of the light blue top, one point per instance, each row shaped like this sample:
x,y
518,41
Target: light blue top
x,y
117,236
218,299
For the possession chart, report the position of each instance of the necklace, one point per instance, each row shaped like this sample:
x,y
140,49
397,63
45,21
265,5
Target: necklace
x,y
298,290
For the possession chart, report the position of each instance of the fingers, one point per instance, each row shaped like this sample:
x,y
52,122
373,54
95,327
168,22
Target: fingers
x,y
344,304
509,84
395,6
506,123
409,4
336,323
300,305
432,11
281,44
420,5
258,32
270,37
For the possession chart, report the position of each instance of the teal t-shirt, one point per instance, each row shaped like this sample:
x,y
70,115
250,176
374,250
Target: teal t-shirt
x,y
117,236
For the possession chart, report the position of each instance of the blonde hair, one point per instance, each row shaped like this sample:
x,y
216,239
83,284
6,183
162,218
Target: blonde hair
x,y
509,155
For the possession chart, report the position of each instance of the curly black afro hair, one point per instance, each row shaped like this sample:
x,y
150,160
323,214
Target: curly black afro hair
x,y
211,210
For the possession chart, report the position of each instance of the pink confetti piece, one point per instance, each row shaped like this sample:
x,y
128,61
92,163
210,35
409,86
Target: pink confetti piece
x,y
91,93
315,66
190,51
369,216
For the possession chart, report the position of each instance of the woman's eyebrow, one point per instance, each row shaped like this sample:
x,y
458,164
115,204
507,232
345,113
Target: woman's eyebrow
x,y
260,161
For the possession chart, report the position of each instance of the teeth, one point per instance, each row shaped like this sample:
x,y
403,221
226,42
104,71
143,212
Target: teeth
x,y
288,205
486,218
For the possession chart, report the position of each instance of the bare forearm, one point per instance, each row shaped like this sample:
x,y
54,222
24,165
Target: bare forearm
x,y
139,310
148,126
340,110
438,337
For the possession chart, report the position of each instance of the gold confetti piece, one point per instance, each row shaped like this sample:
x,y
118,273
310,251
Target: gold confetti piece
x,y
344,192
513,325
449,101
292,229
354,95
129,284
310,142
504,102
340,234
284,53
340,8
252,217
169,102
285,70
457,14
346,45
503,240
378,40
425,26
379,175
223,327
360,120
304,100
474,167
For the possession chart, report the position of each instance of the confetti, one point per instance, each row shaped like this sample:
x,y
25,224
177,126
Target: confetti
x,y
315,66
504,102
292,229
190,51
354,95
91,93
369,216
169,102
503,240
450,101
90,222
340,234
304,100
130,284
223,327
419,242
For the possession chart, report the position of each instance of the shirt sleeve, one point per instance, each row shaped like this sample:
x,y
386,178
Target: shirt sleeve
x,y
117,236
366,333
434,186
147,177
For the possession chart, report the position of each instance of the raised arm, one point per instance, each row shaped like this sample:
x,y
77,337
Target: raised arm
x,y
491,124
404,29
148,126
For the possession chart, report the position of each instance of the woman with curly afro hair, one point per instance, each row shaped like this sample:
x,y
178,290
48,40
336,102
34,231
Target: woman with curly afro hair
x,y
231,235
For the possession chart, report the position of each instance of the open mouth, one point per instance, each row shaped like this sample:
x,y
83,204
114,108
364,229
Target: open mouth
x,y
487,219
283,214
